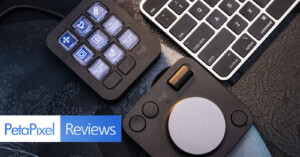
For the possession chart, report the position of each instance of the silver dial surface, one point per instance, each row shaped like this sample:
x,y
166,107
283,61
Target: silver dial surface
x,y
196,125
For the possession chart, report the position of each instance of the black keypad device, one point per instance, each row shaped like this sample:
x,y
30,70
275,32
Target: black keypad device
x,y
208,29
104,46
184,109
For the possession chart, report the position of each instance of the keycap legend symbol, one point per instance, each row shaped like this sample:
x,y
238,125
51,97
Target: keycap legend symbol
x,y
112,53
96,39
66,40
80,25
96,11
81,54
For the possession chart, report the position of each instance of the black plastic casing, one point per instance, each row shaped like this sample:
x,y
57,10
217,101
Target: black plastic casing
x,y
144,53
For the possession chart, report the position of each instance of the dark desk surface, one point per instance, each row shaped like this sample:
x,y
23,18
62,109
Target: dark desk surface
x,y
270,88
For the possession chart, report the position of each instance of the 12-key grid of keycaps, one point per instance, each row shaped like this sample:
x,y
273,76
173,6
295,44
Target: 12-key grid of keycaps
x,y
86,53
221,33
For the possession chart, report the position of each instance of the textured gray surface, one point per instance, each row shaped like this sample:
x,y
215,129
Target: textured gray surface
x,y
271,90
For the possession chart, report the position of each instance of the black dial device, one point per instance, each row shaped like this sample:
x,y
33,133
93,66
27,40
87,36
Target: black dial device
x,y
187,112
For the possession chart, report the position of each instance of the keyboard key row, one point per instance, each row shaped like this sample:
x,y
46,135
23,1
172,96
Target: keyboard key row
x,y
98,39
237,24
229,61
249,11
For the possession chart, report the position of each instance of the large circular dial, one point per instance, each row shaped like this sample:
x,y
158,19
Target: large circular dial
x,y
196,125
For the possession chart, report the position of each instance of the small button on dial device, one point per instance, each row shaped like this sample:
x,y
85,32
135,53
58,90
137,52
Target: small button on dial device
x,y
196,125
150,110
239,118
137,123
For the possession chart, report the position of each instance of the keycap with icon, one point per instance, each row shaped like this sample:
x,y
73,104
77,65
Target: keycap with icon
x,y
83,55
68,41
97,11
82,26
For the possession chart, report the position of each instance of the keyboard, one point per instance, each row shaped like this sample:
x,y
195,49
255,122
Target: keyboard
x,y
104,46
220,34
